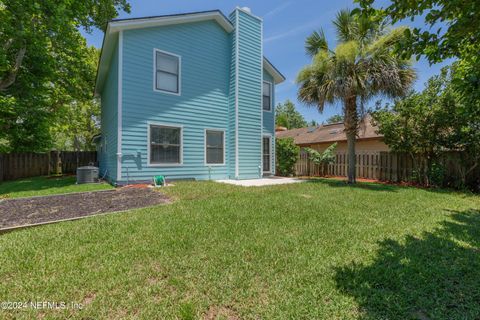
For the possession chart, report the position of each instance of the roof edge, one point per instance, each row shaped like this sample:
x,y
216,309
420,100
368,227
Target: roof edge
x,y
278,77
152,21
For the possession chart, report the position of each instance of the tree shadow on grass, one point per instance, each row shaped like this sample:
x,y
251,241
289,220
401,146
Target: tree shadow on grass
x,y
36,184
335,183
436,276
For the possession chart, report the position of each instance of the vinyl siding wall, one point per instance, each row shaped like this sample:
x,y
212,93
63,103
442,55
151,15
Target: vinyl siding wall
x,y
249,96
231,101
205,50
207,100
109,103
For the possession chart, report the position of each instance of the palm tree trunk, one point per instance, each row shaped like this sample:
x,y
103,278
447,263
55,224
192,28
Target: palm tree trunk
x,y
351,157
351,123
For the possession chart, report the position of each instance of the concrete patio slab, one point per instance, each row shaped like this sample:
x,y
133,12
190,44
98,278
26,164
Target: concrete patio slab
x,y
262,182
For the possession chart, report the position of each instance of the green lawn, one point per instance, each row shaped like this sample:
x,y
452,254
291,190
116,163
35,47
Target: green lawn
x,y
42,186
316,250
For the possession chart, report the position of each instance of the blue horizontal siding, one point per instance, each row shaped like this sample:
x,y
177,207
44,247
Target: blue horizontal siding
x,y
207,101
109,120
249,96
205,52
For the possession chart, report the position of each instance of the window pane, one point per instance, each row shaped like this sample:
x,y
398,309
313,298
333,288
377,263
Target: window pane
x,y
165,144
266,89
167,81
266,146
214,155
215,138
214,147
167,63
165,135
266,163
165,155
266,103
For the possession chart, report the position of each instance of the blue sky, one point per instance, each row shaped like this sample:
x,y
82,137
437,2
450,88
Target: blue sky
x,y
286,25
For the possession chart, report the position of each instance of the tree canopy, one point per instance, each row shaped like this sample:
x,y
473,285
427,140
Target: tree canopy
x,y
286,115
336,118
449,25
431,122
46,66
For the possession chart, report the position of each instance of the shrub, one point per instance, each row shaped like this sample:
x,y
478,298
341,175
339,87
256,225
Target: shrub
x,y
287,155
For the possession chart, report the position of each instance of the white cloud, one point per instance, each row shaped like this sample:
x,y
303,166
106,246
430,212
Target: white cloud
x,y
276,10
293,31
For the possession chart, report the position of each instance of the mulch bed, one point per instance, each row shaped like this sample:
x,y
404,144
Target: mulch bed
x,y
26,211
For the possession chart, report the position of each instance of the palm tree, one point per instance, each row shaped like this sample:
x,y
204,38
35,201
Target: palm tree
x,y
362,66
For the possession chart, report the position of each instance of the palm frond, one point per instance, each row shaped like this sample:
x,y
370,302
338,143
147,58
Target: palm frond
x,y
345,25
316,42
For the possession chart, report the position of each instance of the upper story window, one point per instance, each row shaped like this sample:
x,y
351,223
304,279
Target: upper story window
x,y
267,96
167,72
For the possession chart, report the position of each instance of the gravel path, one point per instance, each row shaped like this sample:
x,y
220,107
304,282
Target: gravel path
x,y
25,211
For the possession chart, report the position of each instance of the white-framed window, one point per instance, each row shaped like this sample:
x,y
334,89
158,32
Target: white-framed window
x,y
267,154
164,145
267,96
167,72
214,147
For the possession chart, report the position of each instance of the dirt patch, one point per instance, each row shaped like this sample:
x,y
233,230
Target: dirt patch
x,y
220,312
16,212
89,299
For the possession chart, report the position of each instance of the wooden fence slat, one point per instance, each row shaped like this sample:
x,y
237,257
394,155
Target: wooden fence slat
x,y
23,165
383,166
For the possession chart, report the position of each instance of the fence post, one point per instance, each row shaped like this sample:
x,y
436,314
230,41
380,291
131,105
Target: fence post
x,y
394,166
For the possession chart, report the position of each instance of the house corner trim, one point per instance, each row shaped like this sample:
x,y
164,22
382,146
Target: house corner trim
x,y
119,105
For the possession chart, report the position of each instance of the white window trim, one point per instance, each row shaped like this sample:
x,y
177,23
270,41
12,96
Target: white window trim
x,y
179,93
170,125
269,136
271,96
205,147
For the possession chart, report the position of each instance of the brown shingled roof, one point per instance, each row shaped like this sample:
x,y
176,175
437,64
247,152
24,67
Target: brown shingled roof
x,y
329,133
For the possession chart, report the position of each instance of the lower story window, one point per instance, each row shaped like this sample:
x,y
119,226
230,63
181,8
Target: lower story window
x,y
267,160
214,146
165,144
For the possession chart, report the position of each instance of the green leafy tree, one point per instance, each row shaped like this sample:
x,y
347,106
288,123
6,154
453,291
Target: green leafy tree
x,y
45,65
336,118
286,115
425,124
287,153
77,122
362,66
448,25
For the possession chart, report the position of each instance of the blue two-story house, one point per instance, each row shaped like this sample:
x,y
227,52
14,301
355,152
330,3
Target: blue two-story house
x,y
186,96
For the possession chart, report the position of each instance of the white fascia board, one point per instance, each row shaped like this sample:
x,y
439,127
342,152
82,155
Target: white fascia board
x,y
169,20
277,76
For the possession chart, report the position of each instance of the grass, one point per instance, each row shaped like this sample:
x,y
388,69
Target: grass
x,y
42,186
316,250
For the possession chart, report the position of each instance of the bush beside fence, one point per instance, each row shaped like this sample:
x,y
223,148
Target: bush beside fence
x,y
29,164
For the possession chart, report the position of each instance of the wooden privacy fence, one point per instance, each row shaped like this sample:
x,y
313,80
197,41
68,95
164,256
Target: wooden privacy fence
x,y
384,166
29,164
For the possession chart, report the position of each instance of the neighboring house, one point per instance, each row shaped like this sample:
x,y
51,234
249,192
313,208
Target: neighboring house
x,y
321,137
186,96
